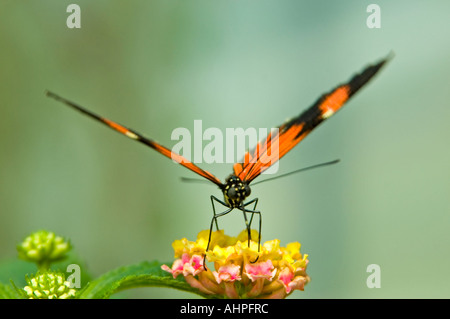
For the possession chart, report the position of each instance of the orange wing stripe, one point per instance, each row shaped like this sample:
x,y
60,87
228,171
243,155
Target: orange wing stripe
x,y
334,101
117,127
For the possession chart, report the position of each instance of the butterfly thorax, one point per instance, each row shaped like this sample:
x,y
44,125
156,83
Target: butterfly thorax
x,y
235,191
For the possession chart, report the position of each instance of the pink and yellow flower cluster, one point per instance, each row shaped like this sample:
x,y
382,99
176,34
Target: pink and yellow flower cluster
x,y
240,271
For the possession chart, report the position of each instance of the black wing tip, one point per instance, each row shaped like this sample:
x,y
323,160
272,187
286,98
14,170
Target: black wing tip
x,y
55,96
368,73
384,61
74,105
49,93
377,66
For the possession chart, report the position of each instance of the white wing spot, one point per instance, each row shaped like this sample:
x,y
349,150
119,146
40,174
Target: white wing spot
x,y
131,135
327,113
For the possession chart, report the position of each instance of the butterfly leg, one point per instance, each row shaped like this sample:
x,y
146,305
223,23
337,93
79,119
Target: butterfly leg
x,y
214,221
248,224
254,208
213,198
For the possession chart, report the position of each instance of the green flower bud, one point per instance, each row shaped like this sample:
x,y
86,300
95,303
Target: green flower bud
x,y
43,247
49,285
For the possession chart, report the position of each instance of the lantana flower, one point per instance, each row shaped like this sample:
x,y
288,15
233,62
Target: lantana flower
x,y
49,285
240,269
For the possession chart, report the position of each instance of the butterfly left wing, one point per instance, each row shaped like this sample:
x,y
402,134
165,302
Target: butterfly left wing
x,y
140,138
290,133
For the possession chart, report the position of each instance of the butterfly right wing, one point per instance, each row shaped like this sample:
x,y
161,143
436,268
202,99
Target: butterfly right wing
x,y
290,133
140,138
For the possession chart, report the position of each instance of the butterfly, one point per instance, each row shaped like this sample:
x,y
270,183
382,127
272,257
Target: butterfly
x,y
236,188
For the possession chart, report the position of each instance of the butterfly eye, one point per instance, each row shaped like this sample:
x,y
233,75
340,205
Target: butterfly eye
x,y
247,190
231,192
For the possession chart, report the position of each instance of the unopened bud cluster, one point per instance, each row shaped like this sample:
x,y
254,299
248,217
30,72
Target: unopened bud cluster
x,y
49,285
43,247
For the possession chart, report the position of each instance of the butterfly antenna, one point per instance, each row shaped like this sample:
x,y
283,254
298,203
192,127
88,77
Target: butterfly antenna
x,y
300,170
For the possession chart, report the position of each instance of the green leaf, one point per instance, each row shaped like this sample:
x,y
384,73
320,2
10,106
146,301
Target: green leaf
x,y
8,292
145,274
15,269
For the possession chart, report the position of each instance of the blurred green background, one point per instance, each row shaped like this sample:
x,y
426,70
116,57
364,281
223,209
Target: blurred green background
x,y
158,65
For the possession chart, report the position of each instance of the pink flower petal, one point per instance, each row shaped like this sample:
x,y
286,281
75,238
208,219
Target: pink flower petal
x,y
186,265
286,276
193,266
227,273
298,283
260,270
290,281
166,268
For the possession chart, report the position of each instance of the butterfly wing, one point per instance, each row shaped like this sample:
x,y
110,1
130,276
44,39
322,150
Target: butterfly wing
x,y
140,138
279,143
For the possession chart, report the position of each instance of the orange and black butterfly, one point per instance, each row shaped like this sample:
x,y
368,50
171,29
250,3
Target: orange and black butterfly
x,y
236,188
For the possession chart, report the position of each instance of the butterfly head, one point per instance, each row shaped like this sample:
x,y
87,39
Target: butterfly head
x,y
235,191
